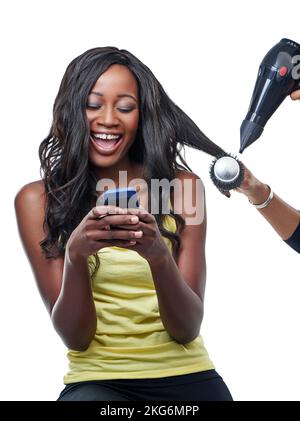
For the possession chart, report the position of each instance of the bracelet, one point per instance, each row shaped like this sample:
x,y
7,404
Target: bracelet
x,y
264,204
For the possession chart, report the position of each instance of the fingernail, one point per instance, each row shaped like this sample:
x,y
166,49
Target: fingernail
x,y
134,219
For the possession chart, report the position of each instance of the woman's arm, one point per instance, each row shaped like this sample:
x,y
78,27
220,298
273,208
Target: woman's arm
x,y
74,314
180,285
283,217
64,282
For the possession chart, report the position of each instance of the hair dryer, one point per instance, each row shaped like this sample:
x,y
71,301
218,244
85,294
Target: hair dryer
x,y
278,77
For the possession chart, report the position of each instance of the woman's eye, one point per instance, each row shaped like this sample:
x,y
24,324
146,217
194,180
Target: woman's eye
x,y
96,107
92,107
126,110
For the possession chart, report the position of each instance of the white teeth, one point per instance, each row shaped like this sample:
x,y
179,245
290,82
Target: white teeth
x,y
106,136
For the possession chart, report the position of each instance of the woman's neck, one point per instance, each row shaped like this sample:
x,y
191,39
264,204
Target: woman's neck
x,y
120,175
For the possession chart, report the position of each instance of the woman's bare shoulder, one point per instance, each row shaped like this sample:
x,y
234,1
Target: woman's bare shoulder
x,y
190,198
30,199
187,175
32,189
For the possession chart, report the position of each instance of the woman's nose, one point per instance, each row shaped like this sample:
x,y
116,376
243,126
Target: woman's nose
x,y
107,117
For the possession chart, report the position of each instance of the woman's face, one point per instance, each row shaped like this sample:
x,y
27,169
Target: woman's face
x,y
113,115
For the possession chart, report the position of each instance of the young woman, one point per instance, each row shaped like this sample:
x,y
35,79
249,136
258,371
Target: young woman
x,y
124,288
283,217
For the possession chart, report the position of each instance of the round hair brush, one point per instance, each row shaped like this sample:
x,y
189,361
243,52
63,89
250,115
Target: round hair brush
x,y
226,172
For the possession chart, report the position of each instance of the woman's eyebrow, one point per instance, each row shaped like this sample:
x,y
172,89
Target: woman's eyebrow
x,y
119,96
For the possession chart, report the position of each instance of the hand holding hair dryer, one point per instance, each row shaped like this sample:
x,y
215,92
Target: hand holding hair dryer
x,y
278,76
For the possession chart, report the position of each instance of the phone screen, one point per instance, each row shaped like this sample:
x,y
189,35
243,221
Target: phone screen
x,y
123,198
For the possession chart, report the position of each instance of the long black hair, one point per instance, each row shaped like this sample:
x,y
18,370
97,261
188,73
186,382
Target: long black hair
x,y
69,179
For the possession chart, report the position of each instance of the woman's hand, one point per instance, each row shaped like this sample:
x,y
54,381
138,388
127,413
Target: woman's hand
x,y
248,184
150,243
295,95
94,233
254,189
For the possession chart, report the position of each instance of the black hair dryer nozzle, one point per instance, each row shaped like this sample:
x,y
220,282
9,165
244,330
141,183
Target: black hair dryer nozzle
x,y
278,77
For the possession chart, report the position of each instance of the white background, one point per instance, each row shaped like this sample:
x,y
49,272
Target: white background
x,y
206,55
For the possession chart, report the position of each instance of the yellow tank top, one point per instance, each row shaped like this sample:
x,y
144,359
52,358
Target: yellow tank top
x,y
130,341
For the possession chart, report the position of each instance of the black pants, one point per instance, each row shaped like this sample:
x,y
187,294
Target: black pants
x,y
202,386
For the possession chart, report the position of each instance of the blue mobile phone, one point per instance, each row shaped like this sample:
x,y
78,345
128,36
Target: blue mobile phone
x,y
122,198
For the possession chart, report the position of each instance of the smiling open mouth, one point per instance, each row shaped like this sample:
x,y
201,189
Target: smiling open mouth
x,y
106,142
